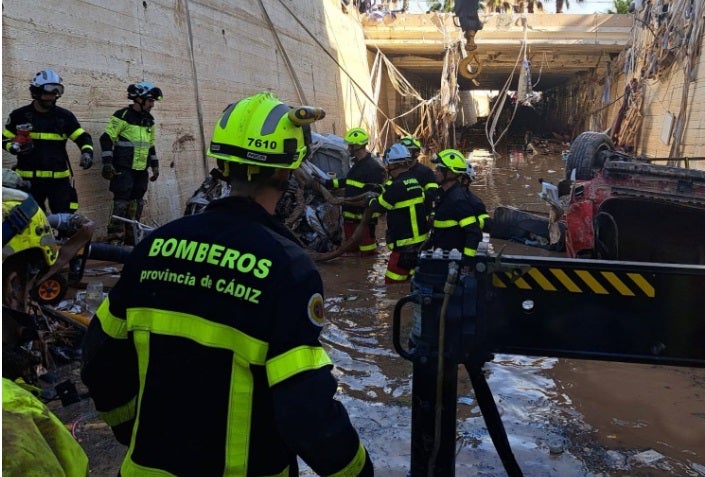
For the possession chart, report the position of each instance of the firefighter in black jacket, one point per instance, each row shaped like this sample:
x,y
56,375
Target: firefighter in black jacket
x,y
365,175
423,173
128,149
459,216
205,357
404,203
37,134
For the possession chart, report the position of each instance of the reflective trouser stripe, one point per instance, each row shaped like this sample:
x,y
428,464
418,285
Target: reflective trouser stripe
x,y
395,276
43,174
470,252
367,248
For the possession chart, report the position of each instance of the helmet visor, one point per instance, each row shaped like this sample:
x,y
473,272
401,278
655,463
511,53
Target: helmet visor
x,y
52,88
154,93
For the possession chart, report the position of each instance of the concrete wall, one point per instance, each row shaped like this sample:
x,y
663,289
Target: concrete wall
x,y
203,54
579,105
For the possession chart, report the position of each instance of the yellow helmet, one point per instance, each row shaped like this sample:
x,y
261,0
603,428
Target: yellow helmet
x,y
451,159
28,228
411,143
262,131
357,137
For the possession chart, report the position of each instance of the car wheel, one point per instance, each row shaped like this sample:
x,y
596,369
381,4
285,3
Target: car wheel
x,y
585,155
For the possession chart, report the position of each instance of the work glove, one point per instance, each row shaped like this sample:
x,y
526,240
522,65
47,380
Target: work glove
x,y
155,173
86,160
108,172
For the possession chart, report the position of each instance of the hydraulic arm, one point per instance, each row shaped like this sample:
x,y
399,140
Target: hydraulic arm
x,y
583,309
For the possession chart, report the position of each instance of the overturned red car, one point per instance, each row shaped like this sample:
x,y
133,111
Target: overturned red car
x,y
626,208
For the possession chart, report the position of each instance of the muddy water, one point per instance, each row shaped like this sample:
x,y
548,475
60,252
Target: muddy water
x,y
600,419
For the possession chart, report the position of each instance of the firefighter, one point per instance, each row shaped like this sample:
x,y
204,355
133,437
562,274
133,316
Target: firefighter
x,y
37,134
422,172
365,175
407,224
459,215
205,357
128,150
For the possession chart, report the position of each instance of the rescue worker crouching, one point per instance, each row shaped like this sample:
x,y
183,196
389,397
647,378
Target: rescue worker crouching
x,y
459,216
403,201
365,175
205,358
128,149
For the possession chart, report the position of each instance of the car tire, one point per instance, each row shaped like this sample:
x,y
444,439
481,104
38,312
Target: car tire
x,y
585,155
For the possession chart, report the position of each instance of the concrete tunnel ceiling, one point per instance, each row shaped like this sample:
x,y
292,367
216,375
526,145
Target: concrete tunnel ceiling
x,y
559,46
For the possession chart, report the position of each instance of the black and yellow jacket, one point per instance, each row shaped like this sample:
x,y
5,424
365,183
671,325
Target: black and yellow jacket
x,y
427,179
205,358
404,202
48,158
365,175
459,218
128,140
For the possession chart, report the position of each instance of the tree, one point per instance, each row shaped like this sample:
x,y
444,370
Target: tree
x,y
621,6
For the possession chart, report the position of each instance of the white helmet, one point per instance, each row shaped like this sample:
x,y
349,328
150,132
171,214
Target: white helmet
x,y
397,154
46,81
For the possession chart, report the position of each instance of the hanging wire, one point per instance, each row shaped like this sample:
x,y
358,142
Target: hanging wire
x,y
498,106
543,62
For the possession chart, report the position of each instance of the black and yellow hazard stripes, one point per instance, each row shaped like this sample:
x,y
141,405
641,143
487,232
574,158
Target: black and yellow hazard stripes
x,y
598,282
